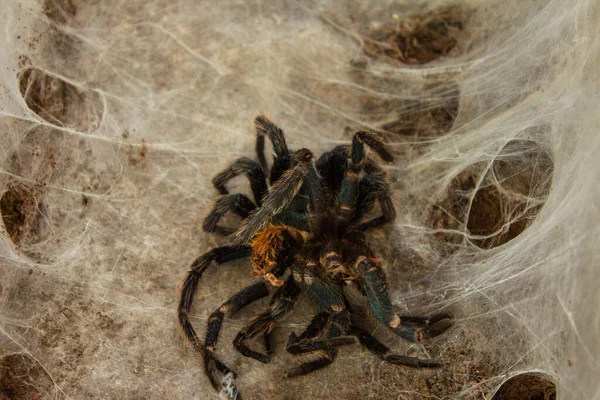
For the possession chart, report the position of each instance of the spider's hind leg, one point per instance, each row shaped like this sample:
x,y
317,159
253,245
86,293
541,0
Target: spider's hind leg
x,y
282,302
337,319
235,303
381,350
219,255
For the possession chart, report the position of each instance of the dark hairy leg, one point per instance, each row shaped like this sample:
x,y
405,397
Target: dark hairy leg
x,y
374,187
279,198
378,348
235,303
282,302
336,319
253,172
282,162
219,255
238,203
410,328
305,342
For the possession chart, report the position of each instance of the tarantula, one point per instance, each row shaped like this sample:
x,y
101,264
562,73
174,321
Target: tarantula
x,y
310,223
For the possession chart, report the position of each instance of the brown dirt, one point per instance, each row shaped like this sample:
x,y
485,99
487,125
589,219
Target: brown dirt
x,y
19,207
22,378
419,39
526,387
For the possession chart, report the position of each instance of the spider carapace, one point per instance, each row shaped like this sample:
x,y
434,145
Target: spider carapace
x,y
304,233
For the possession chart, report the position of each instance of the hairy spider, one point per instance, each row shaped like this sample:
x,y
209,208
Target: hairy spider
x,y
310,223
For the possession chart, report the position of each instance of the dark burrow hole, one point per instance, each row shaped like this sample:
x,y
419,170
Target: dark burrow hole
x,y
418,39
406,109
526,387
432,116
20,206
511,194
60,103
22,378
506,201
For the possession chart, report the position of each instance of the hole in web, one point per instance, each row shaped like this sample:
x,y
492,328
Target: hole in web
x,y
511,194
418,39
497,208
19,206
59,102
424,117
526,387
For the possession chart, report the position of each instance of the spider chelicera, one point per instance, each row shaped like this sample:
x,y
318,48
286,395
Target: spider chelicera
x,y
304,233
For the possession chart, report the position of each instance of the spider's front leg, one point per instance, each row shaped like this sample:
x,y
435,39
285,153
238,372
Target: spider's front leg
x,y
238,203
283,160
353,185
374,187
252,170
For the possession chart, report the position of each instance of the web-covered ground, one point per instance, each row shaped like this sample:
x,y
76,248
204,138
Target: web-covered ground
x,y
116,114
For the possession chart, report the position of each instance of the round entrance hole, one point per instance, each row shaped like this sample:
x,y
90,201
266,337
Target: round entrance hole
x,y
417,39
59,102
510,195
526,387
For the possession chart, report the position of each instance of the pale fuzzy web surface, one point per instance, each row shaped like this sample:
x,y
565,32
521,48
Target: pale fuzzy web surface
x,y
155,97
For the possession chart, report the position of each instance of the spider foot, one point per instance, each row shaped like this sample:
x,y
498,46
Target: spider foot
x,y
438,324
217,371
229,389
263,358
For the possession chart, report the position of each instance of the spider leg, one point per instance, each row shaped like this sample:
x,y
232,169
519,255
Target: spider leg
x,y
253,172
378,348
282,302
432,326
332,166
331,299
374,141
316,326
324,358
235,303
350,187
380,303
282,160
279,198
220,255
305,344
239,203
374,187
